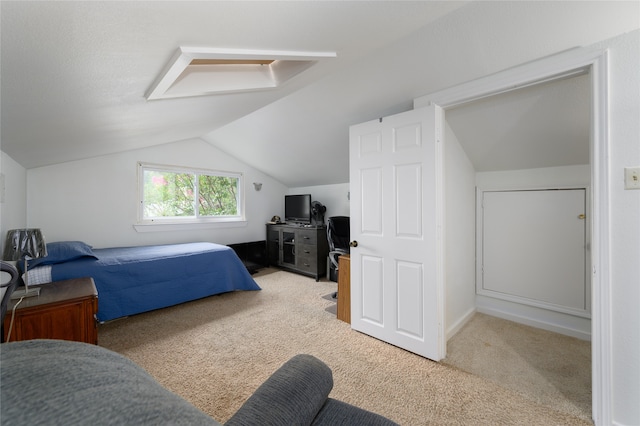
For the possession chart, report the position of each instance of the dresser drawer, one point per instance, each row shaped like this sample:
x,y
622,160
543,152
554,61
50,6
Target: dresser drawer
x,y
307,236
304,250
307,263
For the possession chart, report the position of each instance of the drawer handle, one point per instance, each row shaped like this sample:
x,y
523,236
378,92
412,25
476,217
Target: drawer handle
x,y
307,251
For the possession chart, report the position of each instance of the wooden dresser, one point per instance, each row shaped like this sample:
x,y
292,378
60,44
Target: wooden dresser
x,y
64,310
299,249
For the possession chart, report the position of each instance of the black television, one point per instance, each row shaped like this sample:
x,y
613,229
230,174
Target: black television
x,y
297,208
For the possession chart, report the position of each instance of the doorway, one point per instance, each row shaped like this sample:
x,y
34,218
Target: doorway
x,y
531,248
562,66
530,156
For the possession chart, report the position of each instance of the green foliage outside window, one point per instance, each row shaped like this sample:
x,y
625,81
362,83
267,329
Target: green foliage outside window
x,y
171,194
218,196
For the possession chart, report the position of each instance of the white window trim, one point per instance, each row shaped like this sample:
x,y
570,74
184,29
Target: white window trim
x,y
163,227
187,223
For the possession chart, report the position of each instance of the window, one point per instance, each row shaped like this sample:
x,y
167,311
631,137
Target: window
x,y
171,194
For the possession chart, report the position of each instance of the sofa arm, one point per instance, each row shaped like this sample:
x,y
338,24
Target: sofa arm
x,y
337,412
293,395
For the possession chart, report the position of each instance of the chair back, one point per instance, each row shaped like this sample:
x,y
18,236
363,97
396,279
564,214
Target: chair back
x,y
338,234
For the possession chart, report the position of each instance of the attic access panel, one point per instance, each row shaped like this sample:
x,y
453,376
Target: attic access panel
x,y
205,71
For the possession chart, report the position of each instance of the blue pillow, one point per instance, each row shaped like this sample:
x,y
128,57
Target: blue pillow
x,y
63,251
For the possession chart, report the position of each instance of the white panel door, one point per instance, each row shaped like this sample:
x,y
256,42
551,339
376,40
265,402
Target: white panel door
x,y
534,248
396,219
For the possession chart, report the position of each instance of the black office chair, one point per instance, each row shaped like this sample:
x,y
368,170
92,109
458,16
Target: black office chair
x,y
338,237
10,286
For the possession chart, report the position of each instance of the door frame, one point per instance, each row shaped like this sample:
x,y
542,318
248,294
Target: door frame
x,y
564,65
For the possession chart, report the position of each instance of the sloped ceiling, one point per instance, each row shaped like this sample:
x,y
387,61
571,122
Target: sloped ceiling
x,y
74,74
546,125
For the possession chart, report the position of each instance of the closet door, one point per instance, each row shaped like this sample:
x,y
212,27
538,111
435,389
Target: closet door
x,y
534,248
396,215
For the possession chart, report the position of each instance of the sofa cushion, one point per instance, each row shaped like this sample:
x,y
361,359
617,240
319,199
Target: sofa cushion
x,y
70,383
336,412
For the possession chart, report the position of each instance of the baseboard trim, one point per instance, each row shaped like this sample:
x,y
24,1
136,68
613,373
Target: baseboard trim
x,y
457,326
535,323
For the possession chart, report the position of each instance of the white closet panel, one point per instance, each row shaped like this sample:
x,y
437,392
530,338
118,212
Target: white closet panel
x,y
533,248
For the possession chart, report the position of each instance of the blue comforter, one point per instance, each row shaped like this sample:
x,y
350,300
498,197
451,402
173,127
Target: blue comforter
x,y
131,280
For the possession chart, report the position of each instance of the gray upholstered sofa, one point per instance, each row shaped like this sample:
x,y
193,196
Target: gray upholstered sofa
x,y
58,382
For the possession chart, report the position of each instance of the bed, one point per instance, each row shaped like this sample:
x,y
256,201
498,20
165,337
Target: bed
x,y
132,280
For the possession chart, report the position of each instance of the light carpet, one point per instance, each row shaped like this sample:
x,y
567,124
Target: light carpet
x,y
547,367
216,351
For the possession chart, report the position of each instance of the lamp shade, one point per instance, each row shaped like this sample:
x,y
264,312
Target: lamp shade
x,y
24,244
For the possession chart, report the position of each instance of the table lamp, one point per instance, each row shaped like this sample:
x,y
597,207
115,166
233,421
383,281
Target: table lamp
x,y
24,244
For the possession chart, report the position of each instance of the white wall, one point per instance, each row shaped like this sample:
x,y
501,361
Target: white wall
x,y
13,202
333,197
13,208
624,137
460,235
536,178
95,200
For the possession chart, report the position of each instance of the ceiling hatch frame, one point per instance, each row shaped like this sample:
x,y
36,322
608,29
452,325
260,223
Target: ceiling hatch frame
x,y
199,71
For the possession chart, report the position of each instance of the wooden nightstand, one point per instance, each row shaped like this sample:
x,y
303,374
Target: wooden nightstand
x,y
64,310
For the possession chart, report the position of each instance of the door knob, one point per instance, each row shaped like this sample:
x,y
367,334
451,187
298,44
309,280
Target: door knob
x,y
353,244
581,216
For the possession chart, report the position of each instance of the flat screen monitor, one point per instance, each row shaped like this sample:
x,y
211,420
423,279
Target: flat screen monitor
x,y
297,208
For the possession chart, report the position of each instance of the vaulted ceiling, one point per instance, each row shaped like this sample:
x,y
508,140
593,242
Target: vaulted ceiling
x,y
74,76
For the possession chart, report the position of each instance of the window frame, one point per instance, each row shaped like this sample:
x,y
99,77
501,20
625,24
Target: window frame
x,y
143,223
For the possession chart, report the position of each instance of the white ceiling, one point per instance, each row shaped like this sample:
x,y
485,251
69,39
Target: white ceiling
x,y
74,76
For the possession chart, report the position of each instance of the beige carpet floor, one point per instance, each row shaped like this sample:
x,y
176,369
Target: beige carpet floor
x,y
215,352
546,367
